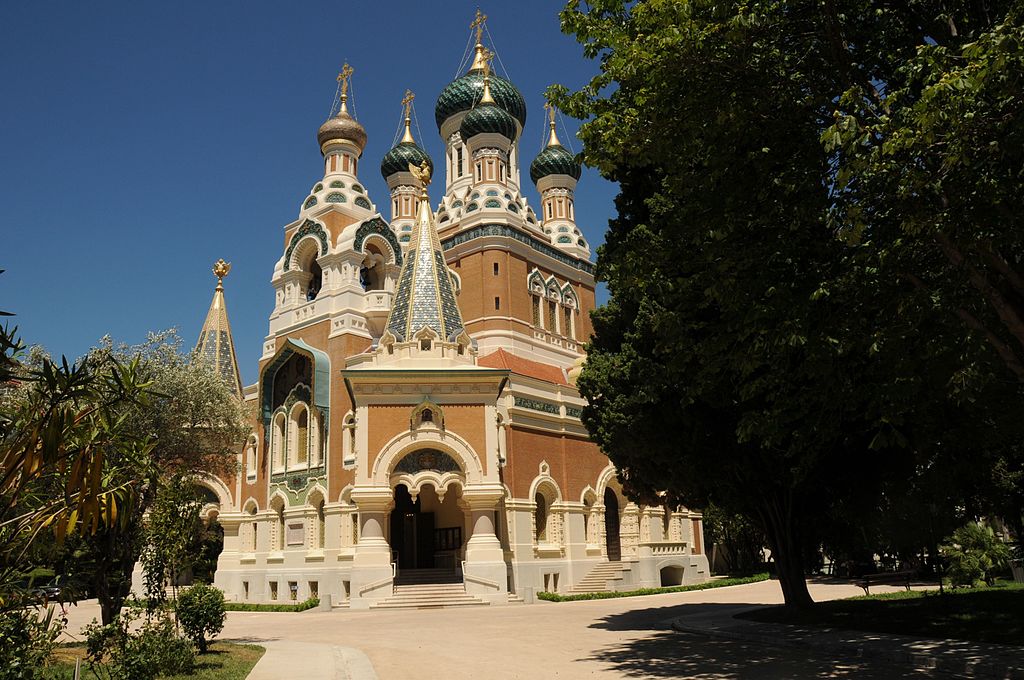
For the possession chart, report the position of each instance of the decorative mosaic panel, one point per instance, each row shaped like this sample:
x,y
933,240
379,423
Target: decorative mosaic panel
x,y
336,197
573,412
337,185
535,405
510,232
492,203
362,202
427,459
310,202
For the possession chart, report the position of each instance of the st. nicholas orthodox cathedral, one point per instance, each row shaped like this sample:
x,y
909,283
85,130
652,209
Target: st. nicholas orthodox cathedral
x,y
417,439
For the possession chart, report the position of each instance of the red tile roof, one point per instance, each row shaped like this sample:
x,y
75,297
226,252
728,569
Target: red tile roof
x,y
531,369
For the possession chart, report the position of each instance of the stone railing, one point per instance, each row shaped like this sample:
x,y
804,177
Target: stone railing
x,y
665,547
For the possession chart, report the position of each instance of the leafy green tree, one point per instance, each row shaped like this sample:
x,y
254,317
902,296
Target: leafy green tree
x,y
740,539
198,425
201,614
172,533
974,554
66,449
804,380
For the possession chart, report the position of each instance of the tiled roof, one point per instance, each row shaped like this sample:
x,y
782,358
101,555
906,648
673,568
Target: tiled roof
x,y
531,369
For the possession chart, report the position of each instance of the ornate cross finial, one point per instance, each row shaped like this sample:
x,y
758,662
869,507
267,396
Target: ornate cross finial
x,y
552,137
486,56
407,102
478,24
220,270
344,77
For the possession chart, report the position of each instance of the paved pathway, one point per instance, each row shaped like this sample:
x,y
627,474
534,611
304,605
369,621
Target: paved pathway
x,y
618,638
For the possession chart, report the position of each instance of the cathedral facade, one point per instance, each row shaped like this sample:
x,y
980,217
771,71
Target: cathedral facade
x,y
415,417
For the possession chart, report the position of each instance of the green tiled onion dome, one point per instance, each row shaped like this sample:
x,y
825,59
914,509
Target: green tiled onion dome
x,y
462,93
554,160
342,126
488,118
403,155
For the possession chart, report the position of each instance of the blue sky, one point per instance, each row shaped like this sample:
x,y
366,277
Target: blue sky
x,y
141,141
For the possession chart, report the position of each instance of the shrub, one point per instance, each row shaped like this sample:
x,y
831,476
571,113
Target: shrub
x,y
974,553
311,603
26,642
201,613
114,652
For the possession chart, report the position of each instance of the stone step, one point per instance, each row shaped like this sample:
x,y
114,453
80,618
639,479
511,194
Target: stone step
x,y
429,596
597,579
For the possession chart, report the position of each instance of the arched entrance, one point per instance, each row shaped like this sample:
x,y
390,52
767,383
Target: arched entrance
x,y
611,526
427,523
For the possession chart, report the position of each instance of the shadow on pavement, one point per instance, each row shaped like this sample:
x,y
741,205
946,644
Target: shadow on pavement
x,y
664,653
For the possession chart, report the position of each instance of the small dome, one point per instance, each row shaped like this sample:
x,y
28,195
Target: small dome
x,y
402,156
488,118
460,95
554,160
342,126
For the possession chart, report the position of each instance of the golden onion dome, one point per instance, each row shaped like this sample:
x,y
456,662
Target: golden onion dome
x,y
342,127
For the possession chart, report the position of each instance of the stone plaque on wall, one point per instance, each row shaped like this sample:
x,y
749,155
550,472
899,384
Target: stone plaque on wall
x,y
295,534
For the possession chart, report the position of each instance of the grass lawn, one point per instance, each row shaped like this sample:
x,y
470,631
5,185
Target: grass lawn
x,y
982,614
223,661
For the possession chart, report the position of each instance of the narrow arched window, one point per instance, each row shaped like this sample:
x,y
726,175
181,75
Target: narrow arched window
x,y
321,521
541,518
302,437
277,443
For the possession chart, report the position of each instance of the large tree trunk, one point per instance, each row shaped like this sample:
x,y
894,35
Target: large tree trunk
x,y
787,551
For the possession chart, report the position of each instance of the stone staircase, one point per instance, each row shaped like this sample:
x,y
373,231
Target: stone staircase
x,y
597,579
429,589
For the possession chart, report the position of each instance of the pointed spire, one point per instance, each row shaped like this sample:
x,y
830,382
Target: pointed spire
x,y
407,103
425,296
216,345
553,138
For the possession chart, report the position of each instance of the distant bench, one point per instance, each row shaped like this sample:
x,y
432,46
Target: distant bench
x,y
888,578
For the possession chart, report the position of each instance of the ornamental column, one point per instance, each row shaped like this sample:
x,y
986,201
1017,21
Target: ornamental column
x,y
484,570
372,575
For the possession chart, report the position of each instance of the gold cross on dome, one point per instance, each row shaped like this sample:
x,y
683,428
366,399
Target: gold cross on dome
x,y
344,77
486,55
478,24
407,102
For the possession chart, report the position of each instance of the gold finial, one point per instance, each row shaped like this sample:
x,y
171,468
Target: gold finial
x,y
407,103
343,79
486,56
478,24
220,270
553,138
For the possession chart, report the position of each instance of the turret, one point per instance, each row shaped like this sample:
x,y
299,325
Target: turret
x,y
555,171
404,186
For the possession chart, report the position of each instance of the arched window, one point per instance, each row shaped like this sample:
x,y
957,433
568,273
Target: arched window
x,y
537,321
300,443
250,457
316,276
540,524
321,524
371,272
567,327
253,528
277,441
277,528
552,316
